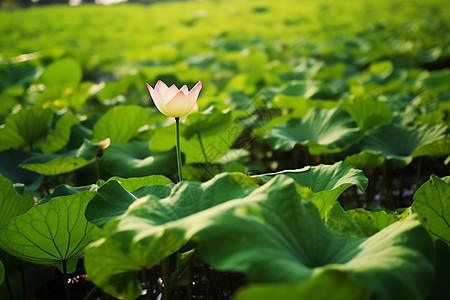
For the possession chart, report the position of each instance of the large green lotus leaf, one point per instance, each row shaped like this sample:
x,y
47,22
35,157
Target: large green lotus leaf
x,y
51,233
398,143
437,80
365,159
66,190
328,282
115,89
297,88
151,214
9,167
62,73
432,204
327,182
278,237
368,113
25,127
134,183
208,122
121,123
16,74
321,130
440,290
12,204
269,233
60,135
112,200
56,164
437,148
215,143
134,159
371,222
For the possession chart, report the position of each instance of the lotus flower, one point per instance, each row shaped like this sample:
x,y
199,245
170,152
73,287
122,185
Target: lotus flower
x,y
174,102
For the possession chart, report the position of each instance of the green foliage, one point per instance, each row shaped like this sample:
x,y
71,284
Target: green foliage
x,y
11,203
320,287
322,131
25,127
317,97
62,73
135,159
55,164
402,143
121,124
60,136
51,234
269,221
432,204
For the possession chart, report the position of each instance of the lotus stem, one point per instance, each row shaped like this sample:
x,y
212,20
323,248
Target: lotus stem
x,y
202,147
166,272
66,285
180,172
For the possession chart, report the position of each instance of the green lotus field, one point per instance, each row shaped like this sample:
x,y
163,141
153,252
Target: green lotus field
x,y
307,157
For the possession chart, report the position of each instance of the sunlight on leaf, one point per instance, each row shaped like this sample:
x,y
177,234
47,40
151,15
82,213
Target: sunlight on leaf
x,y
25,127
62,73
327,282
238,225
321,130
371,222
398,143
55,164
121,123
60,135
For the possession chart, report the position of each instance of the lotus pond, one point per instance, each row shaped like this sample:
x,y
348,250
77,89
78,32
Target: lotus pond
x,y
316,166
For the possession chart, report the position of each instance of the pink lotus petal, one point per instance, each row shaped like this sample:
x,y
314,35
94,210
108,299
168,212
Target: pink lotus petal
x,y
169,93
161,87
179,105
193,94
157,99
185,90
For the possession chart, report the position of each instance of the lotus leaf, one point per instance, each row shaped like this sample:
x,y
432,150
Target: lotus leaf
x,y
55,164
25,127
327,182
51,234
368,113
9,167
60,136
402,143
238,226
320,287
62,73
371,222
11,204
213,145
432,204
321,130
121,123
134,159
112,200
